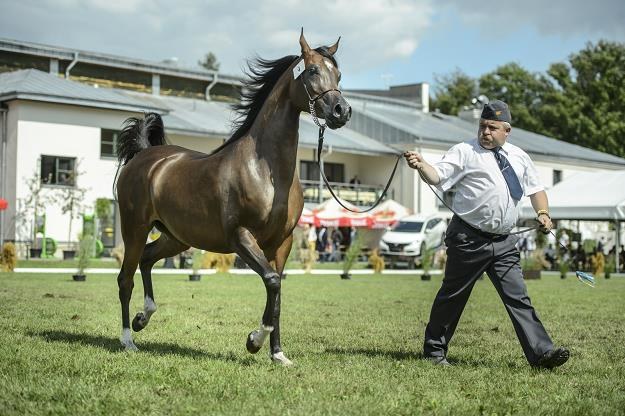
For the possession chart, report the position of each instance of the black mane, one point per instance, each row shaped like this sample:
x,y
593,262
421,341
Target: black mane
x,y
263,74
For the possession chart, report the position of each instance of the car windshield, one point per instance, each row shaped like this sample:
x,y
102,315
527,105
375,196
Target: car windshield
x,y
408,227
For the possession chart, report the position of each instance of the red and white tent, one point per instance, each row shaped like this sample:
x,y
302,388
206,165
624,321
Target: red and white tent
x,y
388,213
307,217
331,214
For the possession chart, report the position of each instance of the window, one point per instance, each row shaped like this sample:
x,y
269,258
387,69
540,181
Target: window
x,y
58,170
335,172
108,143
557,176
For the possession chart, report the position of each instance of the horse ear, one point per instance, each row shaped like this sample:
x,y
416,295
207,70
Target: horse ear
x,y
303,43
332,49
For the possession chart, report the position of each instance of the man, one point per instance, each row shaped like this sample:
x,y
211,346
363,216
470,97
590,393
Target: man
x,y
490,177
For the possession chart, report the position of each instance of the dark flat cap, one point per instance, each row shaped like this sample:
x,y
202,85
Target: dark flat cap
x,y
496,110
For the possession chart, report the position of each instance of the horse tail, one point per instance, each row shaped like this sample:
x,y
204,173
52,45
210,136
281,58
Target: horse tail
x,y
138,134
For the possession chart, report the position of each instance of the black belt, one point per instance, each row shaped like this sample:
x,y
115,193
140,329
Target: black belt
x,y
485,234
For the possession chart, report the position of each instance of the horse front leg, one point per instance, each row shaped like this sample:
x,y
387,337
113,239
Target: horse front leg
x,y
281,257
247,247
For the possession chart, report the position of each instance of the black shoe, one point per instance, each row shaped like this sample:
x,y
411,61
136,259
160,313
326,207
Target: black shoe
x,y
553,358
438,360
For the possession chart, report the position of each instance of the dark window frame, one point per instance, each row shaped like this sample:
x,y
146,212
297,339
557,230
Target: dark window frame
x,y
107,140
55,171
309,170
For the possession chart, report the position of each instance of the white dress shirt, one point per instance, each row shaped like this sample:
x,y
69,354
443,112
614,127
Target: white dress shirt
x,y
482,197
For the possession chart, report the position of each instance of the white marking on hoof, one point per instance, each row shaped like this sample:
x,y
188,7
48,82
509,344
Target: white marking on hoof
x,y
280,358
258,336
149,307
126,340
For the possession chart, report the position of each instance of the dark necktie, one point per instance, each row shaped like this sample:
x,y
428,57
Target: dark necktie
x,y
516,191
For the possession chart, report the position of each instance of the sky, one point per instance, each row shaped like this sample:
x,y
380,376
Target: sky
x,y
384,42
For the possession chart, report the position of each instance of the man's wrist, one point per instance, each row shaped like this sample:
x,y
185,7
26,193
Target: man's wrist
x,y
543,212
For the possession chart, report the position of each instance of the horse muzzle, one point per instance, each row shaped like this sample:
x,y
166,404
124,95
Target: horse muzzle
x,y
338,113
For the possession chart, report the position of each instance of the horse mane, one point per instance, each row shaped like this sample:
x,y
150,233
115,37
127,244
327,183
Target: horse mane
x,y
263,75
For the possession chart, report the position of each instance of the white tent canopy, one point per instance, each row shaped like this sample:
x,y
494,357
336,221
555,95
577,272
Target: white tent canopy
x,y
586,196
592,196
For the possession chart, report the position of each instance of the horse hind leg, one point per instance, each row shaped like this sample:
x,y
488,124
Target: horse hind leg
x,y
164,246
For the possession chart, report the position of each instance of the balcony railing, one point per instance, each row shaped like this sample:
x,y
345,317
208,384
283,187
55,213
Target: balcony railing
x,y
357,194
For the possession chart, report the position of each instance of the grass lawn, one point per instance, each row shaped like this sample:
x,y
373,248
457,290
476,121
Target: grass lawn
x,y
356,346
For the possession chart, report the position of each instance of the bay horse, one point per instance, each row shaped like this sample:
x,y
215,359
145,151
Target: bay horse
x,y
244,197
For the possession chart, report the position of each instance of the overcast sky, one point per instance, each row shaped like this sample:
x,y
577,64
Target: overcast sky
x,y
384,42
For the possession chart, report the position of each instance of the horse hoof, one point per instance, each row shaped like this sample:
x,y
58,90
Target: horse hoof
x,y
280,358
252,348
129,345
136,322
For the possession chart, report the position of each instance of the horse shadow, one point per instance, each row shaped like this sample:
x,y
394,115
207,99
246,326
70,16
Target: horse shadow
x,y
154,348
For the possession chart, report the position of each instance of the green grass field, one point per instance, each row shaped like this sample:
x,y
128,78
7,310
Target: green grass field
x,y
356,346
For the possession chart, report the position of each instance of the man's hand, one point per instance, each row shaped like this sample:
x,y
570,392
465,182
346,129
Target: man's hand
x,y
545,223
414,159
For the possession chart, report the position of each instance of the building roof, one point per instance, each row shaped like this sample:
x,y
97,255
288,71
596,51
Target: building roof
x,y
180,115
115,61
406,124
34,85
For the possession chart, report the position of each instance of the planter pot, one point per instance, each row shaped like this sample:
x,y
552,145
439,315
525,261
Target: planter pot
x,y
426,276
195,277
607,275
35,253
79,277
531,274
69,254
562,276
346,276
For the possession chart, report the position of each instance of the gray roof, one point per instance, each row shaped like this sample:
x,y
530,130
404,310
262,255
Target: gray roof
x,y
34,85
115,61
180,115
444,130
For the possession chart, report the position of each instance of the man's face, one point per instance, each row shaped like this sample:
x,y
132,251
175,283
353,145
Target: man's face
x,y
492,133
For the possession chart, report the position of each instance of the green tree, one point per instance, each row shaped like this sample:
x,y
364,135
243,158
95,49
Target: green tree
x,y
209,62
588,103
453,92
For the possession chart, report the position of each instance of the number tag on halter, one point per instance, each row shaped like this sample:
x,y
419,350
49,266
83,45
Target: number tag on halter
x,y
299,68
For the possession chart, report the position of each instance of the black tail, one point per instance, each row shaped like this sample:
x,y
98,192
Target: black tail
x,y
139,134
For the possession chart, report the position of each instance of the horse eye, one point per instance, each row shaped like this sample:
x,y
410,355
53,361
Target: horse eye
x,y
313,70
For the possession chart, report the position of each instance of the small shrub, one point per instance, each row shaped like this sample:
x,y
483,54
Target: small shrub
x,y
8,257
85,249
352,253
376,261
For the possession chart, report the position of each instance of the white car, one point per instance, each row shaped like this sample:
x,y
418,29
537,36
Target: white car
x,y
405,242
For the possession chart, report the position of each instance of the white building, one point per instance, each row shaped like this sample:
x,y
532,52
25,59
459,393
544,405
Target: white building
x,y
62,112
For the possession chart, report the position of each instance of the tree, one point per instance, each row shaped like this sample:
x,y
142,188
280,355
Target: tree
x,y
588,103
453,92
209,62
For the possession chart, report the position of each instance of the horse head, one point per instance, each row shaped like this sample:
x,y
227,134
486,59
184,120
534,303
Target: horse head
x,y
316,89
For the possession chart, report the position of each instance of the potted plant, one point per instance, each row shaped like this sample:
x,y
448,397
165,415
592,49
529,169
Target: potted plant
x,y
426,263
196,263
610,265
32,214
563,267
351,256
70,200
85,247
531,268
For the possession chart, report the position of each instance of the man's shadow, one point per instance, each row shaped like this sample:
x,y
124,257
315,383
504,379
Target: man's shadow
x,y
155,348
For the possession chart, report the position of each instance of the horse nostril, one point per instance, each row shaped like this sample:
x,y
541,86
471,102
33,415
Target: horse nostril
x,y
349,113
338,110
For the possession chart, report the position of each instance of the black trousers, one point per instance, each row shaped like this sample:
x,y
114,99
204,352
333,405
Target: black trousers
x,y
470,253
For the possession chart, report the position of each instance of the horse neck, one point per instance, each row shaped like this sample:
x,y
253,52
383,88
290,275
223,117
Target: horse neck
x,y
276,127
